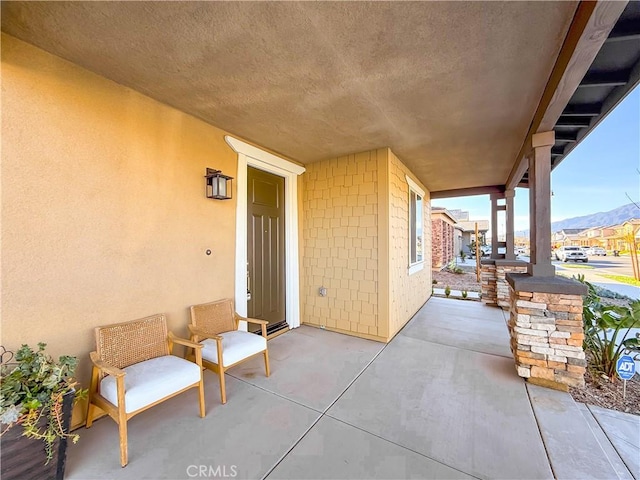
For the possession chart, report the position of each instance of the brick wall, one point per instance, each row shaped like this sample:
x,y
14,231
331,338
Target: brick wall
x,y
443,240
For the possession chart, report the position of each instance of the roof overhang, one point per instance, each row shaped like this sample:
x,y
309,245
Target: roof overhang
x,y
455,89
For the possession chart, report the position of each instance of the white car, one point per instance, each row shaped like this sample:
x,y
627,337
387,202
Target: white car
x,y
572,252
598,251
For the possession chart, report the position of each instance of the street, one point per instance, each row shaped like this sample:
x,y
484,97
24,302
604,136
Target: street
x,y
609,264
597,266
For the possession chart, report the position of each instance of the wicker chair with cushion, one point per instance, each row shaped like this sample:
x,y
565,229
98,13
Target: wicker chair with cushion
x,y
133,370
215,326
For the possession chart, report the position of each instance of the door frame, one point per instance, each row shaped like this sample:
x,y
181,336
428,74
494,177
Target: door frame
x,y
250,155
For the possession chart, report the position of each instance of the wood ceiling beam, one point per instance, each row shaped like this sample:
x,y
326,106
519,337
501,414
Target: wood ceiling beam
x,y
573,122
604,79
591,25
623,31
566,138
586,110
466,192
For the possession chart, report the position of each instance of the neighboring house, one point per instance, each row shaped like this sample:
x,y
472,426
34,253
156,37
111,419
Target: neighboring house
x,y
469,232
568,236
444,235
625,236
466,233
339,122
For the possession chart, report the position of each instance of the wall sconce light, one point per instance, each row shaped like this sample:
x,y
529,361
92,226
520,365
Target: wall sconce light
x,y
218,185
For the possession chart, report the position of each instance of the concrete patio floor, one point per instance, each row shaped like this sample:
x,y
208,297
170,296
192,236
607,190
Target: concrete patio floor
x,y
442,400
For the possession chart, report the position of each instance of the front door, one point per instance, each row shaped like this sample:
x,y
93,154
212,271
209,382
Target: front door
x,y
266,248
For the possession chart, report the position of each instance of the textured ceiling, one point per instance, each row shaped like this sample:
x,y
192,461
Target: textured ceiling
x,y
451,87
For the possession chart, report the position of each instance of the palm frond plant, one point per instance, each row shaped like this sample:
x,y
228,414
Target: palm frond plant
x,y
608,331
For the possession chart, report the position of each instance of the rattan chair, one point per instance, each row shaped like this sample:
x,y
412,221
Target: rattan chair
x,y
215,326
133,370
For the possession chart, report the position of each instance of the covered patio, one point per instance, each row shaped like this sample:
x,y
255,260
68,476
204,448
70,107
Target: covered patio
x,y
441,400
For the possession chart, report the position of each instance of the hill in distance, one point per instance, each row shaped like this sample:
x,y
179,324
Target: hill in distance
x,y
601,219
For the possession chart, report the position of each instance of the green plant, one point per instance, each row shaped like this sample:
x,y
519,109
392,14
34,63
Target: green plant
x,y
606,330
447,290
434,282
462,255
33,388
464,294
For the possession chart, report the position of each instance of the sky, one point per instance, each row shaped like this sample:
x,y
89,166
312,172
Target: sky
x,y
595,177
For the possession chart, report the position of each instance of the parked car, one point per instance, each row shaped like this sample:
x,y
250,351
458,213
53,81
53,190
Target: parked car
x,y
598,251
572,252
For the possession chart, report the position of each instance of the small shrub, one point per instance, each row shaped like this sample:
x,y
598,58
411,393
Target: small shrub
x,y
447,290
464,294
434,281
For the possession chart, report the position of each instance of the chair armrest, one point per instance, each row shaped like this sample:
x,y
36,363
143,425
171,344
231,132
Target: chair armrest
x,y
195,332
256,320
183,341
105,367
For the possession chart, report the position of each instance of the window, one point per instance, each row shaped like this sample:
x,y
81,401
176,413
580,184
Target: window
x,y
416,227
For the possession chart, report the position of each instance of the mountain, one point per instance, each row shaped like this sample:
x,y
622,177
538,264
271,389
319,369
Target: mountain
x,y
601,219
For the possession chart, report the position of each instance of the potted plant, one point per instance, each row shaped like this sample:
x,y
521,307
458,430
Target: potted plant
x,y
37,395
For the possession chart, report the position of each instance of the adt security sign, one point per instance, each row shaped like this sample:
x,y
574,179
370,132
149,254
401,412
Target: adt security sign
x,y
625,367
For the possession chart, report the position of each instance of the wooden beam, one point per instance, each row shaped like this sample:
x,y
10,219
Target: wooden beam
x,y
584,110
466,192
623,31
591,25
573,122
615,97
604,79
566,138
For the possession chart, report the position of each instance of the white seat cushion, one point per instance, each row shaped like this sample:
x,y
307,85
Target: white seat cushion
x,y
236,346
152,380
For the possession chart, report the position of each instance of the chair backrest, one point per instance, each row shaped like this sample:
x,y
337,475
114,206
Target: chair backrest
x,y
215,317
123,344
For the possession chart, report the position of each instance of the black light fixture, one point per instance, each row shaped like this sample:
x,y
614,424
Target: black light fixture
x,y
218,184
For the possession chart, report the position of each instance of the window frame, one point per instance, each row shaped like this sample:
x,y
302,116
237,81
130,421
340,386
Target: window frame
x,y
417,265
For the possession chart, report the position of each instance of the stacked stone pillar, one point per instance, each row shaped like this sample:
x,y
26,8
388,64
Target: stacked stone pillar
x,y
545,325
495,289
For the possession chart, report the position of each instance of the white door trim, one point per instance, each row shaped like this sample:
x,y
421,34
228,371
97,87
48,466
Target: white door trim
x,y
249,155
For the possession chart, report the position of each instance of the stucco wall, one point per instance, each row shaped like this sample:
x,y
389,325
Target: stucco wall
x,y
104,217
407,293
340,244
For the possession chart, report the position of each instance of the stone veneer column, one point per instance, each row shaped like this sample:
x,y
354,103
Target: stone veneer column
x,y
488,282
545,325
504,267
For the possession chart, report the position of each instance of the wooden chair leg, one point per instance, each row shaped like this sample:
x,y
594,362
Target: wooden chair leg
x,y
201,390
223,392
122,428
92,389
266,362
122,421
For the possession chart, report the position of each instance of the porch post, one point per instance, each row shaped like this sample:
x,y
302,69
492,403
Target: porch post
x,y
494,225
540,205
510,252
